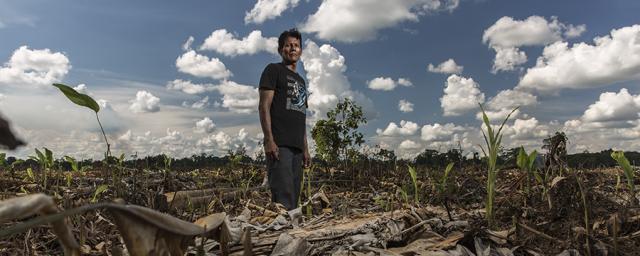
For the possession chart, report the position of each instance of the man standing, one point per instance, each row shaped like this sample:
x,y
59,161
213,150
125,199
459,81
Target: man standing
x,y
282,108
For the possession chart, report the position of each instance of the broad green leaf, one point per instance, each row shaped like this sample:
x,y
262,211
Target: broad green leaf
x,y
78,98
532,159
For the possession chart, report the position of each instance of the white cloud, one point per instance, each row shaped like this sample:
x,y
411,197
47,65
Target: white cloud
x,y
496,116
526,129
188,87
201,104
405,106
202,66
508,59
325,68
507,35
406,128
145,102
28,67
438,132
205,125
81,88
460,95
219,140
611,106
447,67
360,20
387,83
238,98
268,9
226,44
409,145
509,99
613,58
187,44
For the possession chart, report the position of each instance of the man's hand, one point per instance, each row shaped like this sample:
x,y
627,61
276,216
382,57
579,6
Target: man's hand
x,y
306,158
271,150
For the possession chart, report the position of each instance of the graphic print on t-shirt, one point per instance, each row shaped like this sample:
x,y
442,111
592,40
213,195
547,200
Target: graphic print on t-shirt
x,y
296,95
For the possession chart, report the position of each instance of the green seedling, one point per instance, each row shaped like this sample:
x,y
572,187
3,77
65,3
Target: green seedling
x,y
525,163
414,181
101,189
84,100
492,139
628,171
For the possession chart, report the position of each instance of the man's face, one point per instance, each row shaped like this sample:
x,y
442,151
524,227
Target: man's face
x,y
291,50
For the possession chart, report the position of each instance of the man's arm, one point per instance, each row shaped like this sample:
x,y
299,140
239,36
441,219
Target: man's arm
x,y
264,108
306,157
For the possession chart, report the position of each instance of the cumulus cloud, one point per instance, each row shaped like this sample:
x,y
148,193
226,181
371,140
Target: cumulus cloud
x,y
526,129
438,132
509,99
508,59
409,144
325,68
202,66
226,43
205,125
145,102
460,95
387,83
268,9
28,67
447,67
613,107
360,20
612,58
218,140
238,98
189,87
406,128
507,35
405,106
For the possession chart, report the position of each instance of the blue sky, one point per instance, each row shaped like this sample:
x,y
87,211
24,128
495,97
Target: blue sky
x,y
160,95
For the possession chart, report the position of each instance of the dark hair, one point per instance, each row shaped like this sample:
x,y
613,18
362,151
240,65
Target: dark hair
x,y
288,33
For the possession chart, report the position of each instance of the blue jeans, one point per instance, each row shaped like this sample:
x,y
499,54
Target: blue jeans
x,y
285,176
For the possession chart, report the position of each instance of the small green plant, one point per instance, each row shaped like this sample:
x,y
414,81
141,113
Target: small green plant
x,y
492,139
442,186
525,163
587,226
544,181
101,189
46,161
414,181
628,171
443,189
85,101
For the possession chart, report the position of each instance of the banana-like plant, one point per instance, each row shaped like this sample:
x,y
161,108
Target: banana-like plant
x,y
46,161
492,139
85,101
525,163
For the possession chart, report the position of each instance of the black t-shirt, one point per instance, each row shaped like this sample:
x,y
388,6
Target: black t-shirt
x,y
289,105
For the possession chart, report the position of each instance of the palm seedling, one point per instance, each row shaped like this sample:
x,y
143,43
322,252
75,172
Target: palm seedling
x,y
492,138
